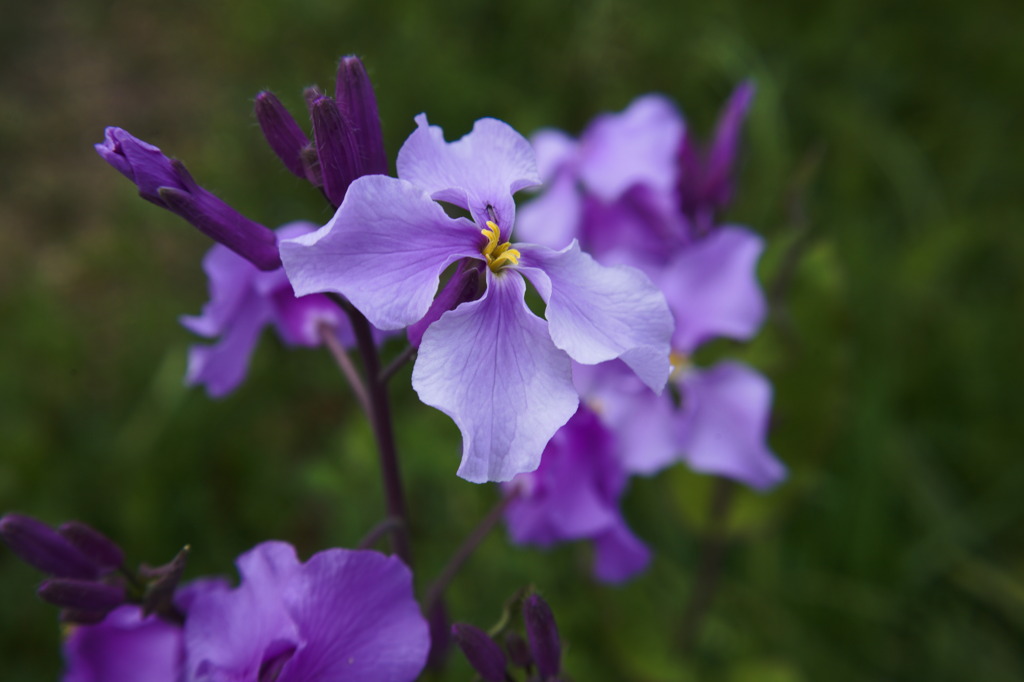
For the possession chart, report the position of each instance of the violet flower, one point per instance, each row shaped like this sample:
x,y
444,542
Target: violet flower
x,y
574,495
637,189
502,373
341,615
244,300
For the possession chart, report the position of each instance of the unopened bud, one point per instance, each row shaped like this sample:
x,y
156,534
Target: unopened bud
x,y
542,633
81,595
44,548
486,657
517,650
358,105
283,134
335,148
100,549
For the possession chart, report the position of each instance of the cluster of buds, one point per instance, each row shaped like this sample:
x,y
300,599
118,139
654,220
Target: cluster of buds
x,y
539,656
88,577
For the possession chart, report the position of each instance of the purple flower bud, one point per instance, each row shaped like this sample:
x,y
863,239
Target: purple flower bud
x,y
140,162
517,650
466,284
76,617
486,657
44,548
82,595
358,106
336,149
542,634
100,549
311,165
159,596
283,134
165,182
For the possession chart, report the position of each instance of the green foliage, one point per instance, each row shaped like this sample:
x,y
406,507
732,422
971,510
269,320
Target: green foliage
x,y
883,165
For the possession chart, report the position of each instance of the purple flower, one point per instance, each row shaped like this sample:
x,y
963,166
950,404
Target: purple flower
x,y
341,615
636,188
502,373
243,300
166,183
125,647
574,495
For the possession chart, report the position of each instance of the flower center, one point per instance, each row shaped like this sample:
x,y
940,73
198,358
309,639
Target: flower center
x,y
680,363
498,255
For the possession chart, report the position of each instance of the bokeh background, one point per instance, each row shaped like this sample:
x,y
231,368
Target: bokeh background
x,y
883,165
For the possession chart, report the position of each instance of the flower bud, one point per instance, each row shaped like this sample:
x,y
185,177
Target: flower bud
x,y
486,657
517,650
542,633
100,549
82,595
44,548
167,183
159,597
336,149
358,105
283,134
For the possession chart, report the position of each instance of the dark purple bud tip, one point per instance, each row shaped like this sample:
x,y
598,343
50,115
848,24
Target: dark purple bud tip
x,y
283,134
100,549
358,105
542,633
486,657
44,548
75,617
336,149
517,650
139,161
82,595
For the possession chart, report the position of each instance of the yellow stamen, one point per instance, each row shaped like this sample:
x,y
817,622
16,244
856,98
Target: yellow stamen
x,y
679,361
498,255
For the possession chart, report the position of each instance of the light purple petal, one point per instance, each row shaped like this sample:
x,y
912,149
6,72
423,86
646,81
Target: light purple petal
x,y
358,619
298,320
553,219
124,647
642,228
725,423
554,150
222,366
491,366
619,555
230,634
636,146
643,422
485,167
384,250
713,290
230,278
597,313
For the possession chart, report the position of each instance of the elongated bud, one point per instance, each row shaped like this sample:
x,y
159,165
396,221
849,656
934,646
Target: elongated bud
x,y
517,650
542,633
486,657
167,183
283,134
159,597
100,549
466,284
336,149
44,548
81,595
218,221
358,104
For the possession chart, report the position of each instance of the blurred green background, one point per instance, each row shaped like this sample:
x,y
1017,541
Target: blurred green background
x,y
883,164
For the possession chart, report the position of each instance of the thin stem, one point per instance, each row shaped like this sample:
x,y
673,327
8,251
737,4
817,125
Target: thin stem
x,y
462,554
397,363
379,414
712,552
330,339
388,525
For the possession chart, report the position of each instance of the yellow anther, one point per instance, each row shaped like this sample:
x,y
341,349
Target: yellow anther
x,y
679,361
498,255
